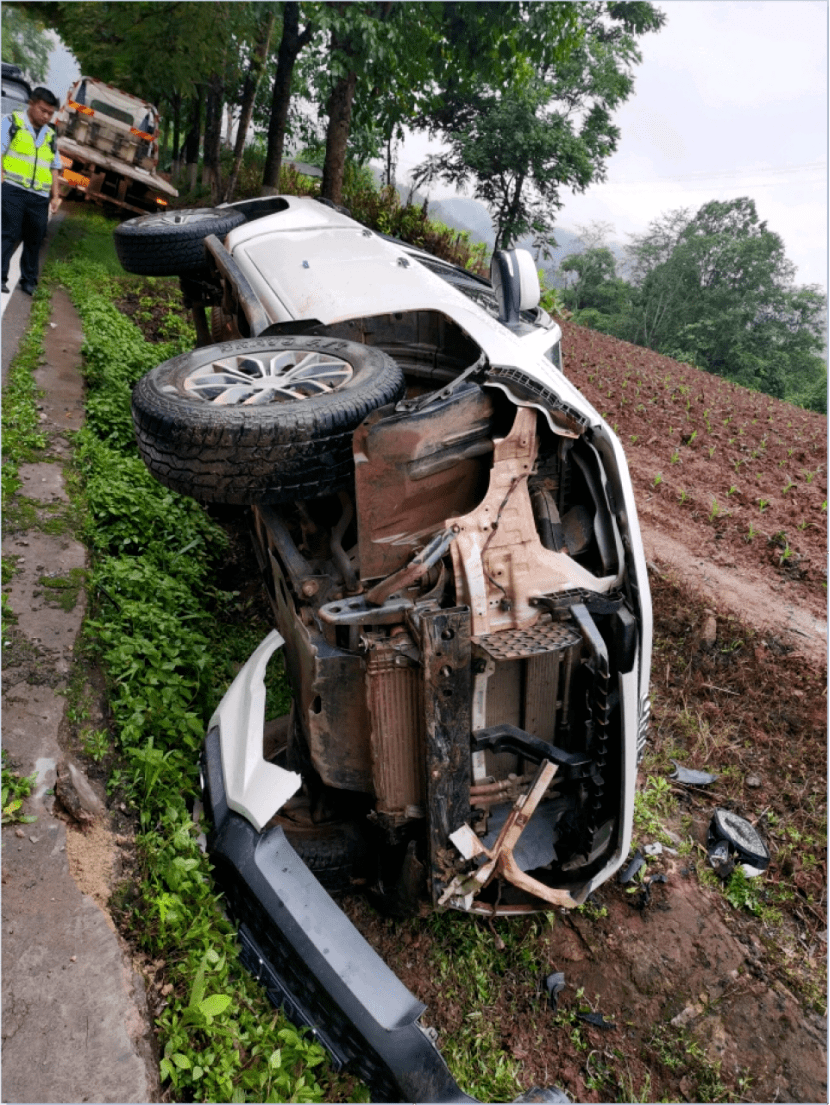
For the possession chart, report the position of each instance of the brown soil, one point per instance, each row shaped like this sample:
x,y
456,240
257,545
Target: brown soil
x,y
728,477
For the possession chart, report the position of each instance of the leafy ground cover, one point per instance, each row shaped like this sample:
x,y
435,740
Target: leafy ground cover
x,y
675,991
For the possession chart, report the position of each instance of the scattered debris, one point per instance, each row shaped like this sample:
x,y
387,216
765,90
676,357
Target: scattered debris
x,y
742,843
754,781
690,777
655,849
75,794
554,985
643,899
637,861
722,861
597,1020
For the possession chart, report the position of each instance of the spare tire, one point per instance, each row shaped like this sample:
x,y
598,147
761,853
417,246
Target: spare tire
x,y
171,243
260,420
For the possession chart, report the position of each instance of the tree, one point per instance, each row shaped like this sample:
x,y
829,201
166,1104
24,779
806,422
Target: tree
x,y
26,42
717,290
292,41
249,90
550,127
594,282
658,291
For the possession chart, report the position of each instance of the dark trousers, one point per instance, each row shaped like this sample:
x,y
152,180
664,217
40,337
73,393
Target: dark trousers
x,y
25,219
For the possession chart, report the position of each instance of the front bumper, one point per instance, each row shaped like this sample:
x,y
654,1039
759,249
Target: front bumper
x,y
316,966
314,963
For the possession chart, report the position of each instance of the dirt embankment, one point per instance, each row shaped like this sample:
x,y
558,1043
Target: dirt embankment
x,y
731,485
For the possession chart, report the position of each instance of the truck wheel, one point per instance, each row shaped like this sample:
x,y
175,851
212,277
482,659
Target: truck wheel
x,y
170,243
260,420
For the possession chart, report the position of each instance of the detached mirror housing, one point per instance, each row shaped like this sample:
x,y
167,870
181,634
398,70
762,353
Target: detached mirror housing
x,y
516,283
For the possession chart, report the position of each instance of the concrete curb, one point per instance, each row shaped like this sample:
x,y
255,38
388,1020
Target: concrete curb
x,y
75,1025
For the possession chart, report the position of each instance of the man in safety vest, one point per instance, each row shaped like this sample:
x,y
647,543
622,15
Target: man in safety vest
x,y
31,172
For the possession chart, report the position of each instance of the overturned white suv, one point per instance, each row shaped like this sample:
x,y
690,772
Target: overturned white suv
x,y
449,540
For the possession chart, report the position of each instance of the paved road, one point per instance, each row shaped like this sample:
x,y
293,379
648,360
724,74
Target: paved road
x,y
17,306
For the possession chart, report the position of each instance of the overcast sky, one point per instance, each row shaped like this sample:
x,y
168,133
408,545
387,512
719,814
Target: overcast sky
x,y
730,100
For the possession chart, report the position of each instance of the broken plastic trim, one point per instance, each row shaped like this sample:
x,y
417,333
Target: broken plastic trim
x,y
316,965
500,859
742,839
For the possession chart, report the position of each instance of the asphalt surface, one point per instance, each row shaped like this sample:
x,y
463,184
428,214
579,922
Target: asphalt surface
x,y
16,305
75,1023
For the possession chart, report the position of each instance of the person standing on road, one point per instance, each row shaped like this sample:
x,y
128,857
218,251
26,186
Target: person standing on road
x,y
31,172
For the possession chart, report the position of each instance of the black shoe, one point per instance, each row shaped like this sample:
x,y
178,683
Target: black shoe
x,y
5,287
29,289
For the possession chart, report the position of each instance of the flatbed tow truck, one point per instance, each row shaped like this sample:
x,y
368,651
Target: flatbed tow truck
x,y
108,143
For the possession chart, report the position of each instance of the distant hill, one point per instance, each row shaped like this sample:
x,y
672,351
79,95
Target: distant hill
x,y
472,216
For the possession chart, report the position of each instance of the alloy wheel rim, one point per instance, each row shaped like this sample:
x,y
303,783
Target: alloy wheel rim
x,y
257,379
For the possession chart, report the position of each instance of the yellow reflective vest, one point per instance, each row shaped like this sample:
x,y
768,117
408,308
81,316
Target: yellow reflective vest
x,y
26,165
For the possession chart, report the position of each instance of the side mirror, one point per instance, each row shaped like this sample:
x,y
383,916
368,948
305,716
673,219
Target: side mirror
x,y
516,283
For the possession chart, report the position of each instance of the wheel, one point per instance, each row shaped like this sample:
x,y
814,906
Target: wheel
x,y
221,325
335,853
170,243
261,420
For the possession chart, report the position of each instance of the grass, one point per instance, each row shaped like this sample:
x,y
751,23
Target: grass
x,y
15,789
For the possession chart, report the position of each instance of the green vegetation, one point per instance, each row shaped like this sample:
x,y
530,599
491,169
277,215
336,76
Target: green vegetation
x,y
713,290
16,787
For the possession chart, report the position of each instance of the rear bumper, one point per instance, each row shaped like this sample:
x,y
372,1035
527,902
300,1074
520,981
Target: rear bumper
x,y
314,963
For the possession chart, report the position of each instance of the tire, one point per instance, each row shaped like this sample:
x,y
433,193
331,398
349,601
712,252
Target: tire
x,y
238,440
171,243
221,326
336,854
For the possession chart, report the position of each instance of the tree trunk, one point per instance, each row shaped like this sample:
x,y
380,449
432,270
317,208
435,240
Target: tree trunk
x,y
339,109
248,97
290,45
177,126
213,133
193,138
504,237
391,161
337,137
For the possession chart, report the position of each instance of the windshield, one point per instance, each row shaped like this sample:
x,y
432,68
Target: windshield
x,y
113,112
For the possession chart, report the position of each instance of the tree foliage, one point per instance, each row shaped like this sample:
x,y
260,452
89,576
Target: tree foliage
x,y
26,42
519,144
593,285
714,289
